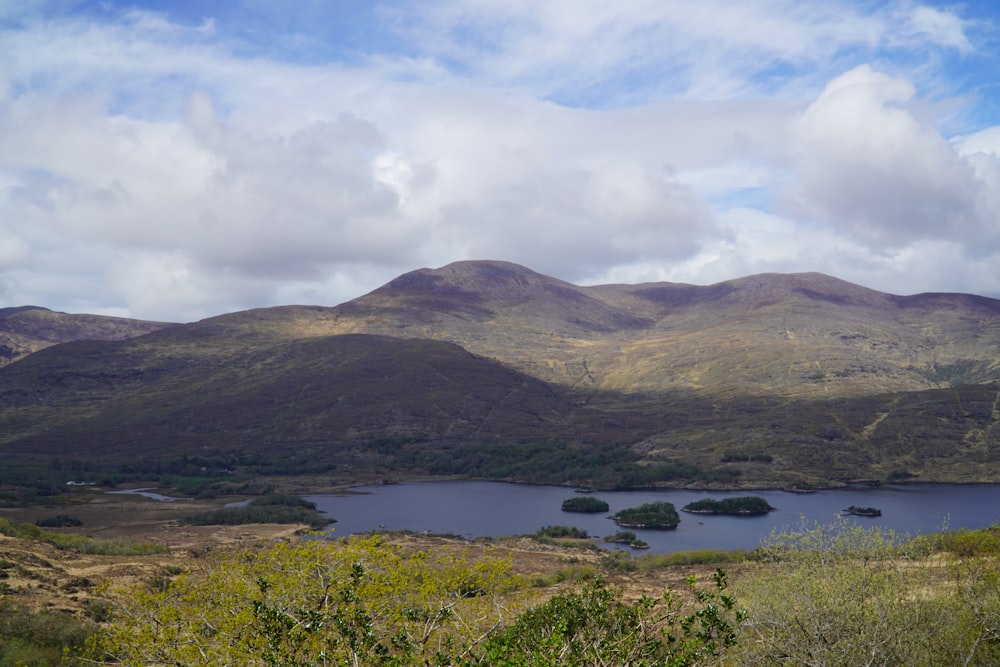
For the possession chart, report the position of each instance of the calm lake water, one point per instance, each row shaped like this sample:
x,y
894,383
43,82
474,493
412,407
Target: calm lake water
x,y
477,509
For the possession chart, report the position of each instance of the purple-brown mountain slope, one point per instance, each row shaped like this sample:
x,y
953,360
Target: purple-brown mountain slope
x,y
767,380
27,329
793,335
805,335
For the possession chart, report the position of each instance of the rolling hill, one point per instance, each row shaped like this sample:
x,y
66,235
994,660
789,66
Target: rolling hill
x,y
492,370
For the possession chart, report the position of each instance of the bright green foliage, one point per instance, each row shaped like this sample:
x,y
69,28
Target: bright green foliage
x,y
595,626
354,602
78,543
650,515
362,602
971,543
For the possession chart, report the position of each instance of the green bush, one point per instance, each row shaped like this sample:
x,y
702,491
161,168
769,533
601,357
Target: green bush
x,y
596,626
971,543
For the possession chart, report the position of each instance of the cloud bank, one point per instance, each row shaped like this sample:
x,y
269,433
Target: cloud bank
x,y
161,162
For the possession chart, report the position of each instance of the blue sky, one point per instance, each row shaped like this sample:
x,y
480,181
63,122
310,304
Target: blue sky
x,y
175,160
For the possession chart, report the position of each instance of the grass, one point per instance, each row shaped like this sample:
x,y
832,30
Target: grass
x,y
79,543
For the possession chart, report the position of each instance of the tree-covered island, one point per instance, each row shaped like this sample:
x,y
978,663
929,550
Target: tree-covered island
x,y
741,506
627,537
863,511
586,504
661,516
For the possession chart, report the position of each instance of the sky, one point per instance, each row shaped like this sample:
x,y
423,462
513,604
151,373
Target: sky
x,y
174,160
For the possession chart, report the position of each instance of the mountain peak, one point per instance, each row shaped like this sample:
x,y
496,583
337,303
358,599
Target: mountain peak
x,y
13,310
816,286
486,279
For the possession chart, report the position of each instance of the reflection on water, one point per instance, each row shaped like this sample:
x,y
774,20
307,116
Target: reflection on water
x,y
476,509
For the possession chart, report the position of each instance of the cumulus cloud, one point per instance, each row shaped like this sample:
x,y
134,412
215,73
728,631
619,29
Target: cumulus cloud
x,y
866,164
168,166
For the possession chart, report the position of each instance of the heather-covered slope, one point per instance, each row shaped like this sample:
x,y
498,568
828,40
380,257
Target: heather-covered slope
x,y
800,335
492,370
178,394
27,329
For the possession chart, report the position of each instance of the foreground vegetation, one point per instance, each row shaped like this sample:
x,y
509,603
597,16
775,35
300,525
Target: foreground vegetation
x,y
77,543
836,594
365,602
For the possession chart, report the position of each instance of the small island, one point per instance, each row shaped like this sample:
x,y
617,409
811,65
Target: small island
x,y
854,510
741,506
660,516
586,504
627,537
562,532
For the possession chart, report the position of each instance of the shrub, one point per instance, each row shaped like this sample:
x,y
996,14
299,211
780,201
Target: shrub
x,y
596,626
355,601
38,638
844,594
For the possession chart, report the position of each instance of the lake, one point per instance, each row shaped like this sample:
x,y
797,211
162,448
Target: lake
x,y
478,509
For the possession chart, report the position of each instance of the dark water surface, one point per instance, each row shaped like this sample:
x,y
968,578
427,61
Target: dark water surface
x,y
477,509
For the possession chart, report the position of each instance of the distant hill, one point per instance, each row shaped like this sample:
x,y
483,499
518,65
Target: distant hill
x,y
791,335
492,370
27,329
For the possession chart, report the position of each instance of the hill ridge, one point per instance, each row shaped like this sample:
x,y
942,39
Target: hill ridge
x,y
490,369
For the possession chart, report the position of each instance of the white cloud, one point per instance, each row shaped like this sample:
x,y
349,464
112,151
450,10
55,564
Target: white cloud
x,y
149,166
938,27
867,165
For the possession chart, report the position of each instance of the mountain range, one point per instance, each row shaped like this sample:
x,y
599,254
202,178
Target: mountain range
x,y
489,369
